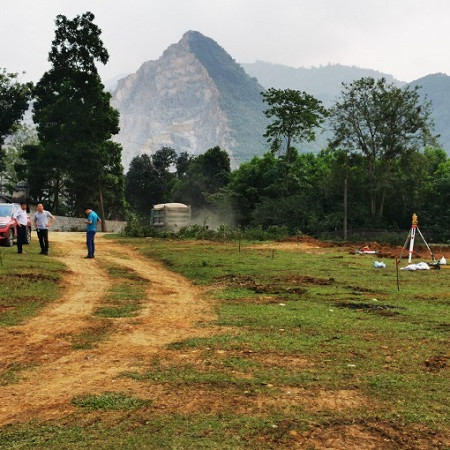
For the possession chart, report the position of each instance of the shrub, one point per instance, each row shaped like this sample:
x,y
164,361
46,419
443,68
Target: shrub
x,y
223,233
271,233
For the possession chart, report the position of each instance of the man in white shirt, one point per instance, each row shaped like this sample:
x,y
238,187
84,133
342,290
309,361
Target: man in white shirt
x,y
42,221
21,218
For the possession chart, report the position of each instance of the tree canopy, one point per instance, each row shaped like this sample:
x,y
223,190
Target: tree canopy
x,y
295,115
205,175
75,119
14,98
13,167
149,180
384,123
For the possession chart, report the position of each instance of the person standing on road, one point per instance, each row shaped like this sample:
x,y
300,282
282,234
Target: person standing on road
x,y
42,221
21,218
91,229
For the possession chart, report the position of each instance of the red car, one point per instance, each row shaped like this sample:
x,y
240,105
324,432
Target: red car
x,y
8,230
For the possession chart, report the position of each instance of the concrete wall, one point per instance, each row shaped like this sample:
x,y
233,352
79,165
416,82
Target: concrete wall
x,y
62,223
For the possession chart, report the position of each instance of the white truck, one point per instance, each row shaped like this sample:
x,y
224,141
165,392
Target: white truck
x,y
170,216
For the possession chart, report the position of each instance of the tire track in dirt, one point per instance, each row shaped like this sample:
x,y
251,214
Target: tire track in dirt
x,y
39,339
171,311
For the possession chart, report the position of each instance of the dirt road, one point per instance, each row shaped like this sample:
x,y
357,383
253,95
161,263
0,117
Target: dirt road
x,y
56,372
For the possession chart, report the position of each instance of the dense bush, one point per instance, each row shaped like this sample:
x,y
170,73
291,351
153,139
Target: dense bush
x,y
198,232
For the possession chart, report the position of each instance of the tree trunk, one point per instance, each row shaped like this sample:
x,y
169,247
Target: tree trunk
x,y
56,192
373,187
373,202
345,198
386,182
288,149
381,207
102,208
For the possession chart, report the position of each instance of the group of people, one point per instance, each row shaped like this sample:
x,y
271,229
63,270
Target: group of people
x,y
42,222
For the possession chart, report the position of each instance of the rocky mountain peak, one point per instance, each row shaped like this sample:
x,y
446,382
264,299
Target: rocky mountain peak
x,y
194,97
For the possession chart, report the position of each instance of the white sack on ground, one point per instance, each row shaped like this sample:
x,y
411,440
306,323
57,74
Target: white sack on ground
x,y
418,266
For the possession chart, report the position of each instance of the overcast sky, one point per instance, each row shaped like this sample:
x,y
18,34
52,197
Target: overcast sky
x,y
405,38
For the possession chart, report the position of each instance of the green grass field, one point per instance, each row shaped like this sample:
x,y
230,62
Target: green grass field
x,y
27,283
309,346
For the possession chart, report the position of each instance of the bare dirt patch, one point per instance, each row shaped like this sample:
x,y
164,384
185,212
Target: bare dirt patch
x,y
320,400
370,436
436,363
304,244
308,241
308,244
282,285
307,280
396,251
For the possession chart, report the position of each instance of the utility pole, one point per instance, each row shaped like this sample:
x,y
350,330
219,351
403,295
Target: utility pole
x,y
345,195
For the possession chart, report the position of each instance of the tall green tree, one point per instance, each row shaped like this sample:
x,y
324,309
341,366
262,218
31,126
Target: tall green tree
x,y
206,174
251,183
295,116
14,98
182,164
433,211
139,184
164,160
384,123
150,180
42,183
13,163
264,193
75,119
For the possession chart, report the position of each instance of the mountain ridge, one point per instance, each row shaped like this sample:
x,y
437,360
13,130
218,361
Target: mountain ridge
x,y
196,96
436,87
323,82
189,99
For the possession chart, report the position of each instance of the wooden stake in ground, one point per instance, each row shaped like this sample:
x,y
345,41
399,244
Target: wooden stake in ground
x,y
397,262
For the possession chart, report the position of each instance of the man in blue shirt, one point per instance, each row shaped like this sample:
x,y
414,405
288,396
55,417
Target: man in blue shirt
x,y
91,229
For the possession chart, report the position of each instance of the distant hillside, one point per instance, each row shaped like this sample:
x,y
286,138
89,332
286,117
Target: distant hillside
x,y
192,98
436,88
324,82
